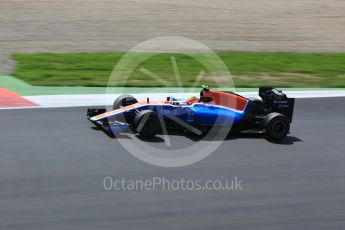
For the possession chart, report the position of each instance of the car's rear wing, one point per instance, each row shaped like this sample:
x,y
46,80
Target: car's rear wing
x,y
276,101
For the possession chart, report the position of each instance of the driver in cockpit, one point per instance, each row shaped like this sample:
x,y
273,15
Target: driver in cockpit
x,y
192,100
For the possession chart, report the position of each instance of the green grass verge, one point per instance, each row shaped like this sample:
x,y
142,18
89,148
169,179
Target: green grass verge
x,y
249,69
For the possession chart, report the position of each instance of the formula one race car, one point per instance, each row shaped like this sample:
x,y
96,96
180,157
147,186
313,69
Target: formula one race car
x,y
272,114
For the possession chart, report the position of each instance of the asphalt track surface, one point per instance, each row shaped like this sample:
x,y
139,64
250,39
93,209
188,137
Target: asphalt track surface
x,y
52,165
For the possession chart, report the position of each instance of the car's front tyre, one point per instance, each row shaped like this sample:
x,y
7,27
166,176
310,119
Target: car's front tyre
x,y
122,101
146,123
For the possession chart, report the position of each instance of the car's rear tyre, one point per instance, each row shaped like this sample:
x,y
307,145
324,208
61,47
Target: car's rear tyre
x,y
146,123
124,100
276,126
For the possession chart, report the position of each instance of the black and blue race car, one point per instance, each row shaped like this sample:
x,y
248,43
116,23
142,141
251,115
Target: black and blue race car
x,y
271,114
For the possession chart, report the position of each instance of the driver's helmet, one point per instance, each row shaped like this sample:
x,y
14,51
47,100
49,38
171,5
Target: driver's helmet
x,y
192,100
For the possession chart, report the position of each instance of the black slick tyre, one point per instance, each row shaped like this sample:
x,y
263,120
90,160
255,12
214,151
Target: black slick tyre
x,y
124,100
146,123
276,126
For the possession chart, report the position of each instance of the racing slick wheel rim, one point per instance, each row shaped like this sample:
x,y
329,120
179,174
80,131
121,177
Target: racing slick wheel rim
x,y
151,124
278,127
146,123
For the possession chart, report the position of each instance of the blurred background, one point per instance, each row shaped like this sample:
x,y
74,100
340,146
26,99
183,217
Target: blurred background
x,y
70,26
